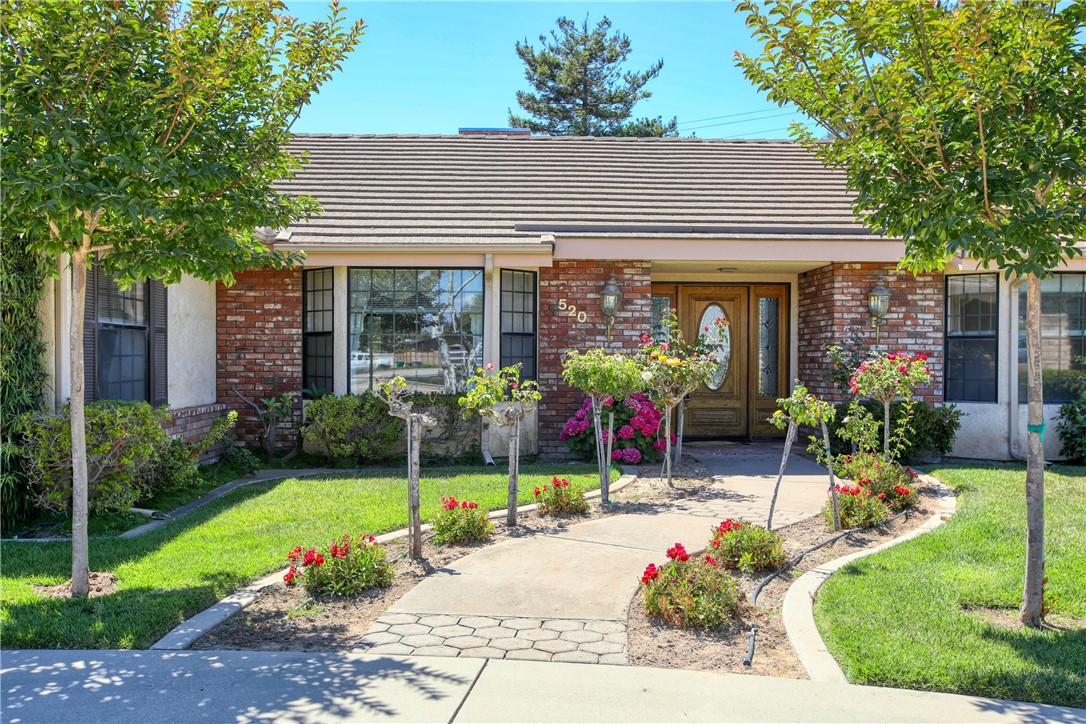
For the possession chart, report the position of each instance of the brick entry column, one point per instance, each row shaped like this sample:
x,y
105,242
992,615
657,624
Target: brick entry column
x,y
579,283
833,301
259,330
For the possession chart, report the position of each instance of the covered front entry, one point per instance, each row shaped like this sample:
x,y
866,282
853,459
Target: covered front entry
x,y
753,361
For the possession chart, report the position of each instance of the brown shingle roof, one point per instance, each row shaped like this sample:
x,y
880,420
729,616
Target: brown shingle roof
x,y
502,190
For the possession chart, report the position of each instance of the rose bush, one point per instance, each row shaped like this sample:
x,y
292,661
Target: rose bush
x,y
859,507
691,592
558,497
749,548
889,482
349,566
460,521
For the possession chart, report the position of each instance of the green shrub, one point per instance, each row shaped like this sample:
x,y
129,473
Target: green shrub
x,y
122,438
890,483
558,497
22,368
171,467
242,459
348,567
460,521
749,548
353,428
691,592
859,508
933,429
1071,426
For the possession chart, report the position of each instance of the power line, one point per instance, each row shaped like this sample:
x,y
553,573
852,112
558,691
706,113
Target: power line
x,y
746,120
729,115
751,133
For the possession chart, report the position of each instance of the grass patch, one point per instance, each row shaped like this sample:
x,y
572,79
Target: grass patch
x,y
907,617
171,573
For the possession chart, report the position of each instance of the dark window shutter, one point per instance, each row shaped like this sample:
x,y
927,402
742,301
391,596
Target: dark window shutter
x,y
90,337
156,333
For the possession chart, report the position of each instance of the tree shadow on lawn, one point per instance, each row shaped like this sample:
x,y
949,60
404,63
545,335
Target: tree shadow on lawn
x,y
1059,658
129,618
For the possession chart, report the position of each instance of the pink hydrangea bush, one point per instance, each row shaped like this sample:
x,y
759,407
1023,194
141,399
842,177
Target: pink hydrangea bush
x,y
638,433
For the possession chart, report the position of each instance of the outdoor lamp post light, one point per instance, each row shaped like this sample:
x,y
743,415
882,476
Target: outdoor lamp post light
x,y
611,302
878,303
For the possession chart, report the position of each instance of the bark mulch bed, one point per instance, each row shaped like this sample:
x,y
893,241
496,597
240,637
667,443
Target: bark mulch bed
x,y
654,643
287,619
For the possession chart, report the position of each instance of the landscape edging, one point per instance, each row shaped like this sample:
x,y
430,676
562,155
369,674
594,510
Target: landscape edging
x,y
797,612
188,632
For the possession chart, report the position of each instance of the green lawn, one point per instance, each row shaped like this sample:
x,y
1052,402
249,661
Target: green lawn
x,y
183,567
900,618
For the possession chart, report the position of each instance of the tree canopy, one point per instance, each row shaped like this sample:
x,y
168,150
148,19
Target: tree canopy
x,y
580,87
960,127
148,137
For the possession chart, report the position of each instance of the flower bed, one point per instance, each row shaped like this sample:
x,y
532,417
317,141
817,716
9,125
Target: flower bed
x,y
638,434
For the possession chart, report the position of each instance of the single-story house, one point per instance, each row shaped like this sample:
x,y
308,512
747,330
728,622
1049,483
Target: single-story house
x,y
435,254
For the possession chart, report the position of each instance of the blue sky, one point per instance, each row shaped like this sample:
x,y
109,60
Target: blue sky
x,y
426,67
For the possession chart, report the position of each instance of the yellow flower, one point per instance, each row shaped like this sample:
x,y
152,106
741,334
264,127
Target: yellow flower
x,y
674,361
655,353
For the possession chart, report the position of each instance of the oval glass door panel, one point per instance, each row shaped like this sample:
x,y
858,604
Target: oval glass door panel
x,y
714,325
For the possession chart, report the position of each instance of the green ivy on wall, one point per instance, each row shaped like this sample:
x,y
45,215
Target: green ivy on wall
x,y
22,368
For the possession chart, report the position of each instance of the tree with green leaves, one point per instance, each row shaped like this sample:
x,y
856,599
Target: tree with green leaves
x,y
580,87
147,137
962,130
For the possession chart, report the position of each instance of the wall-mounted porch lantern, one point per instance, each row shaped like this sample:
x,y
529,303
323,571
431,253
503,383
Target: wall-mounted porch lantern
x,y
611,302
878,303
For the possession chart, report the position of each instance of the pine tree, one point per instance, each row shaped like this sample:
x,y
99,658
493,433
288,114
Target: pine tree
x,y
580,86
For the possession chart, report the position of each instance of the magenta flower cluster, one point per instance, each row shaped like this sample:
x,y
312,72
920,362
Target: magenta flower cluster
x,y
638,430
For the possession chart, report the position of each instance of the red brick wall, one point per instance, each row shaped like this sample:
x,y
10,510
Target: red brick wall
x,y
192,423
833,301
580,283
259,327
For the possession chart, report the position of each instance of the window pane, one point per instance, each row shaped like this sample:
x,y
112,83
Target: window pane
x,y
128,307
1063,336
122,364
971,370
661,308
518,322
972,304
417,323
768,346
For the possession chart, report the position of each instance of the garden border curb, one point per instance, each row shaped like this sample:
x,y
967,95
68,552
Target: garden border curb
x,y
189,631
797,612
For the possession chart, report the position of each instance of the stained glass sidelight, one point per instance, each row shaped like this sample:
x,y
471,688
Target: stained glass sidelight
x,y
769,325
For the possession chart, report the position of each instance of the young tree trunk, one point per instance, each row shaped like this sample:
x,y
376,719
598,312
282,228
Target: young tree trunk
x,y
601,451
414,443
1033,591
788,439
679,438
886,430
833,483
514,472
605,480
667,440
80,485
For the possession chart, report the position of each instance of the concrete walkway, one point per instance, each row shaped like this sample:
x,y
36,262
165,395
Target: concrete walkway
x,y
563,596
147,687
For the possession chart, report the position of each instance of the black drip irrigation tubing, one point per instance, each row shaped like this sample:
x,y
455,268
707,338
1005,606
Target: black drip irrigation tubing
x,y
788,564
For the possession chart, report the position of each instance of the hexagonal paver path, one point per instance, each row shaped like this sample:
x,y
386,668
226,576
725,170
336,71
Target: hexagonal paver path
x,y
563,596
498,637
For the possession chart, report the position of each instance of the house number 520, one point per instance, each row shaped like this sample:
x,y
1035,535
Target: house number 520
x,y
571,311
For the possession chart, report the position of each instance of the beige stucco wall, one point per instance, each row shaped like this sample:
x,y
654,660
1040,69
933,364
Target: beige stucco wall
x,y
47,312
191,343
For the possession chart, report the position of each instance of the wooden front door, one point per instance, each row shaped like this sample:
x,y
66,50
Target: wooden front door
x,y
752,371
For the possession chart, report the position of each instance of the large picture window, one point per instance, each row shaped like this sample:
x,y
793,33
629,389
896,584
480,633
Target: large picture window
x,y
518,325
318,358
972,337
1063,336
124,340
425,325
